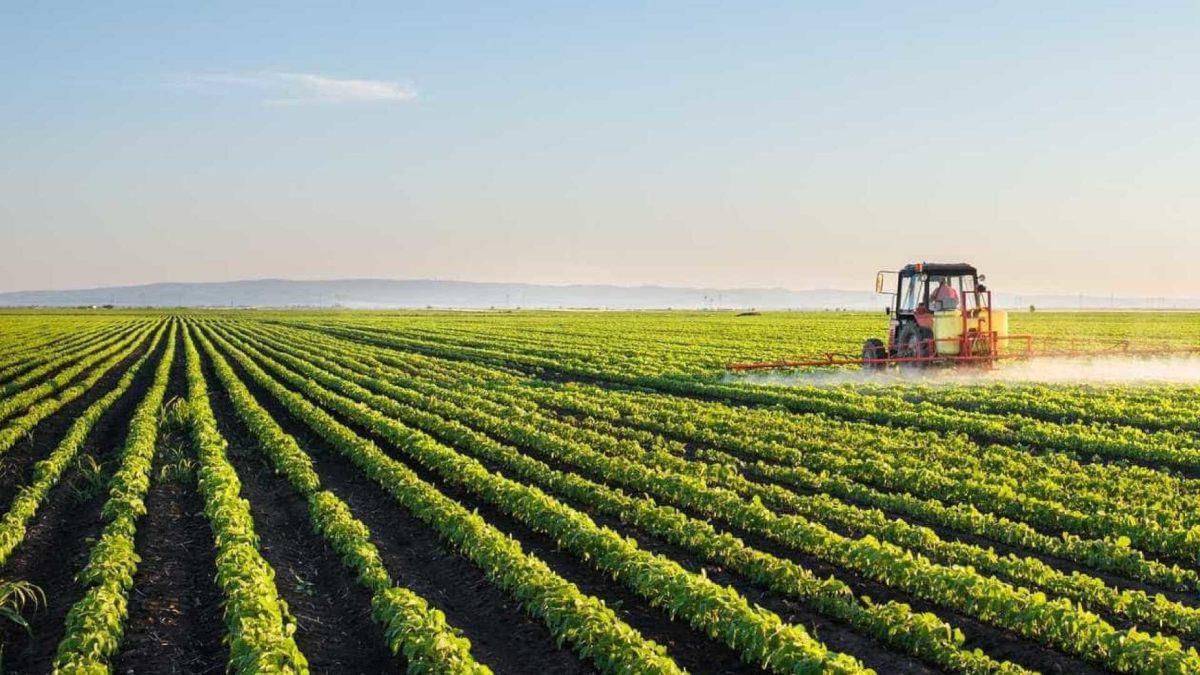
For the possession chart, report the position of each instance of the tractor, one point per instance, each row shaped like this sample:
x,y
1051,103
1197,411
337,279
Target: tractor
x,y
939,312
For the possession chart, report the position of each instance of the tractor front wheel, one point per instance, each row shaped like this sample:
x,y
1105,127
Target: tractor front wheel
x,y
873,353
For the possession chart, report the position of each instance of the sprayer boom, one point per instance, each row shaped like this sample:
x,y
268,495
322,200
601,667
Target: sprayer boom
x,y
1123,348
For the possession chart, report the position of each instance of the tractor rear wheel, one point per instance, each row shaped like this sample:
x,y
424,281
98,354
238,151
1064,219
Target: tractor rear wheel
x,y
914,342
873,350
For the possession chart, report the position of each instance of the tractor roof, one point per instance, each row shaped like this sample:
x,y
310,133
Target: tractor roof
x,y
939,269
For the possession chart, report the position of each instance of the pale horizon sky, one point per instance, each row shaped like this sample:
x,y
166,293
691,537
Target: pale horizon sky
x,y
801,145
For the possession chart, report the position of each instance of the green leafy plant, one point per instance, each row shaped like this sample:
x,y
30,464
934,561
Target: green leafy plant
x,y
47,472
95,623
18,597
89,481
718,611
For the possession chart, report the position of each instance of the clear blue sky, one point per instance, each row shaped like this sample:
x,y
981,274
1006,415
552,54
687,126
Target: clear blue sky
x,y
734,144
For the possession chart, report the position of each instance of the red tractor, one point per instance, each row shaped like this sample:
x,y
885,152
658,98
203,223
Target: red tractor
x,y
939,312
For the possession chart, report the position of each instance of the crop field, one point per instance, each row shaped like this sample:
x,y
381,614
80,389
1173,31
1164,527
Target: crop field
x,y
569,492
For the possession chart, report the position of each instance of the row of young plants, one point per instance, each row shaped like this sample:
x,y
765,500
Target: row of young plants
x,y
1106,553
1091,592
429,644
23,426
95,623
895,624
57,360
1134,604
260,628
859,479
29,395
47,472
663,344
414,365
1111,555
1056,465
1057,618
700,343
1052,477
1055,477
984,487
1152,609
24,350
1156,408
576,454
693,343
30,354
1084,440
31,333
717,611
584,622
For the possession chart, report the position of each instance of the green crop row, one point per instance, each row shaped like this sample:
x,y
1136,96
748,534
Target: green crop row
x,y
109,354
31,354
1108,554
95,623
1093,592
720,612
838,403
922,634
260,627
20,427
48,471
428,643
1056,622
893,472
593,629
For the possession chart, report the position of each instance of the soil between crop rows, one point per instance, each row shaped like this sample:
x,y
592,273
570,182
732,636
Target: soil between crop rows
x,y
60,536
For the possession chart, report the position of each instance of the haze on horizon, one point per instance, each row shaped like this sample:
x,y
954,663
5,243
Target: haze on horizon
x,y
797,145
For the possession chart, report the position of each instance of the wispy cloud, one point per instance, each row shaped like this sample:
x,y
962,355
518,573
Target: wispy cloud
x,y
289,88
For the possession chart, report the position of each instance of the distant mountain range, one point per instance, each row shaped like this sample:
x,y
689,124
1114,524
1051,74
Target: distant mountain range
x,y
420,293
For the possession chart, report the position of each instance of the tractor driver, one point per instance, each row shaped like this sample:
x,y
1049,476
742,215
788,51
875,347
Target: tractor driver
x,y
944,297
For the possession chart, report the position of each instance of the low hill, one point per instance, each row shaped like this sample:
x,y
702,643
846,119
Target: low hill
x,y
419,293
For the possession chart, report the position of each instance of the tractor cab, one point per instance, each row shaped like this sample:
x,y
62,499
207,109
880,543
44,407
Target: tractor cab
x,y
937,310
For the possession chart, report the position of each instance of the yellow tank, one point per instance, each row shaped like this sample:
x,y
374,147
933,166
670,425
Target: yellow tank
x,y
946,325
999,322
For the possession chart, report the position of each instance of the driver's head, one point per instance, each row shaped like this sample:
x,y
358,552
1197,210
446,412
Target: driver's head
x,y
941,281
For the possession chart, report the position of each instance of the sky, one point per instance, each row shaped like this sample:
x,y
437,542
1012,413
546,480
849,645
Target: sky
x,y
803,145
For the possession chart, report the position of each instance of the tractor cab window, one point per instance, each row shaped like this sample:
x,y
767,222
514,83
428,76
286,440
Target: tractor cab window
x,y
967,293
912,292
945,293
